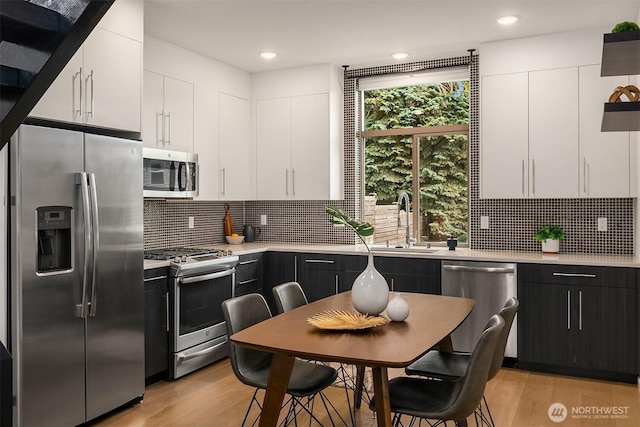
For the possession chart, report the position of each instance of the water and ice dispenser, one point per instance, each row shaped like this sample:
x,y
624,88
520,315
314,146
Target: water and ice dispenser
x,y
54,238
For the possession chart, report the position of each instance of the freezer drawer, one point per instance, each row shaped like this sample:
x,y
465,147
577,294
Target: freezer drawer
x,y
490,285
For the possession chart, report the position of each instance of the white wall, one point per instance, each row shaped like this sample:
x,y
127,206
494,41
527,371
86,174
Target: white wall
x,y
3,244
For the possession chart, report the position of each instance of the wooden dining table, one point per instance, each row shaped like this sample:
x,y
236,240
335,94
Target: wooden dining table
x,y
431,320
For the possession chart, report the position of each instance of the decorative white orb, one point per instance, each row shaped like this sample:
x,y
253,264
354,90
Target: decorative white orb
x,y
397,309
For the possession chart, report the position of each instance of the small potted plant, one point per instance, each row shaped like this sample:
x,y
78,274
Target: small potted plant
x,y
550,236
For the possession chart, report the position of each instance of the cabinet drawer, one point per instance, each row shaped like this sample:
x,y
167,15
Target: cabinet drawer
x,y
249,267
407,266
614,277
153,276
321,262
248,286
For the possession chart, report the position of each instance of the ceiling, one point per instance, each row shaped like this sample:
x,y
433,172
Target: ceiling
x,y
363,32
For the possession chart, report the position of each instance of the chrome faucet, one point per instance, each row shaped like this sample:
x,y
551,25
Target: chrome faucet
x,y
405,197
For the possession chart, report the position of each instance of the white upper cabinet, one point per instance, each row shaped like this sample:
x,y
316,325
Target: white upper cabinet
x,y
309,152
541,110
505,136
168,113
553,133
102,84
298,134
604,156
209,106
235,149
273,149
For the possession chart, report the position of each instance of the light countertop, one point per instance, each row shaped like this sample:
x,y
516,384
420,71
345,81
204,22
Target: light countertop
x,y
444,254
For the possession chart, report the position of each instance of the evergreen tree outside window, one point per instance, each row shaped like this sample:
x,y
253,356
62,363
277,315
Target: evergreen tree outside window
x,y
416,140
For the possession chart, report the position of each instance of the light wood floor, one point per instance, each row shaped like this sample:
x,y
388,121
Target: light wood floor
x,y
214,397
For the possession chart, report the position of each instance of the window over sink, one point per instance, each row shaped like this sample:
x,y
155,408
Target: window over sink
x,y
415,140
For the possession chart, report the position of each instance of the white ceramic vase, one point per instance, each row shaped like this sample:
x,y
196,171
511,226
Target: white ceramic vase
x,y
370,292
397,309
550,246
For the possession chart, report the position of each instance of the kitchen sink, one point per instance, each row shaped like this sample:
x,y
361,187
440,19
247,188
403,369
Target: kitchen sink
x,y
412,249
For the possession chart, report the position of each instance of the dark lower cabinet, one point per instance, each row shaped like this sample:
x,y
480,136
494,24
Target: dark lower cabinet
x,y
156,334
320,275
279,267
578,320
418,275
249,274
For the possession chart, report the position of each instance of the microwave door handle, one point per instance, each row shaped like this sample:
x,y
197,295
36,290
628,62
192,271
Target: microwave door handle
x,y
181,168
81,179
95,229
187,166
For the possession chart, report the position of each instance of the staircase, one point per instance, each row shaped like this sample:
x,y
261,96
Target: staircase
x,y
37,39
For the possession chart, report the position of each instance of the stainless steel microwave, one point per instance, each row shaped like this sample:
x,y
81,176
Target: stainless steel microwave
x,y
169,174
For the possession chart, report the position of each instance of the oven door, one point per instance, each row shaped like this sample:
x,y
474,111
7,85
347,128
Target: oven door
x,y
198,307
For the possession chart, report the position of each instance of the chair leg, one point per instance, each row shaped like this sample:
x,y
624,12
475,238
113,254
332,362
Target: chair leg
x,y
246,414
490,422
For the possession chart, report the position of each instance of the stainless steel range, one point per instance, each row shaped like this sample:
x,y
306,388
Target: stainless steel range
x,y
200,280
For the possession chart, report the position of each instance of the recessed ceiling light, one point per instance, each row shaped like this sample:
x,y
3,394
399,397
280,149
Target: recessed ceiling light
x,y
507,20
399,55
268,55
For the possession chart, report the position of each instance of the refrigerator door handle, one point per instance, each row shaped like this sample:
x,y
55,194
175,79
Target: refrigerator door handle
x,y
81,179
95,230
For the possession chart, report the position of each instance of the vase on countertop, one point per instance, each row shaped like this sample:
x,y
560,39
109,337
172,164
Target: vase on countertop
x,y
370,291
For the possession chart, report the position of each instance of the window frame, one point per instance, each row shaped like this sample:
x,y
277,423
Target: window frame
x,y
416,133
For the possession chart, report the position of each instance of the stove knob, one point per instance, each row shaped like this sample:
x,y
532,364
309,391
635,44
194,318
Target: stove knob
x,y
184,258
229,252
177,260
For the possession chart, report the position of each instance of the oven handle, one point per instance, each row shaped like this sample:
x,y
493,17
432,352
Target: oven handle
x,y
182,357
187,280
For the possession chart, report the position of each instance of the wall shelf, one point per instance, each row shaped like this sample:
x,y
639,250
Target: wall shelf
x,y
621,54
621,57
621,116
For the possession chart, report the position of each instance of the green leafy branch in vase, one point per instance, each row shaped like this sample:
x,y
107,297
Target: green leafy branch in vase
x,y
341,218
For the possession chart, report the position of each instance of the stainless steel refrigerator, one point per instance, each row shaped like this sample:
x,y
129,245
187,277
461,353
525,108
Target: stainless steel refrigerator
x,y
77,307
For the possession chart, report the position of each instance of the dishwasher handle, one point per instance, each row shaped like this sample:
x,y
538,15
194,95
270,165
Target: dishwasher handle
x,y
466,268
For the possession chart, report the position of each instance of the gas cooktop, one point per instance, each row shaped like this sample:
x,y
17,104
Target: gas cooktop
x,y
180,253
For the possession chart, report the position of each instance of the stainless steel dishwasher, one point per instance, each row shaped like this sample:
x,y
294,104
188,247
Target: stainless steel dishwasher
x,y
490,284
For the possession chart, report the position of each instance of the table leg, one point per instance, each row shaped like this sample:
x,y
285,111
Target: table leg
x,y
445,344
281,368
381,390
357,395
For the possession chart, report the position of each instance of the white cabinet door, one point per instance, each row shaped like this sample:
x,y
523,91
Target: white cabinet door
x,y
273,149
63,100
310,119
168,113
100,86
113,81
553,133
178,115
152,110
504,143
235,149
604,156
